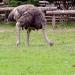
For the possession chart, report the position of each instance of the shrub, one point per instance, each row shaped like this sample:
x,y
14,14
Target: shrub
x,y
19,2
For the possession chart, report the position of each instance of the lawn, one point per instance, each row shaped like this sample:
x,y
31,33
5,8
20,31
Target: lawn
x,y
39,58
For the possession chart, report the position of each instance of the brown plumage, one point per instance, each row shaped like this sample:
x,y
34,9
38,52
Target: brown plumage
x,y
33,18
17,12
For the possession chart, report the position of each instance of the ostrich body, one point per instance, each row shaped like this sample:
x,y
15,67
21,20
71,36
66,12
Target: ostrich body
x,y
17,12
30,18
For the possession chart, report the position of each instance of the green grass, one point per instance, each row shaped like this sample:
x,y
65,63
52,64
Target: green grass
x,y
39,58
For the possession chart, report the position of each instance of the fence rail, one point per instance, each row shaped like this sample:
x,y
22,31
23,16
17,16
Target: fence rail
x,y
61,12
5,9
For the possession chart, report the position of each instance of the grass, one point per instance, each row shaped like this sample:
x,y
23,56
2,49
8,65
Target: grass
x,y
39,58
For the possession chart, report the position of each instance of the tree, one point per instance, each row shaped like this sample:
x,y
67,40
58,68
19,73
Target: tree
x,y
66,3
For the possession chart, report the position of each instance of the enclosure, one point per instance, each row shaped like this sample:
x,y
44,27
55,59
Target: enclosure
x,y
39,58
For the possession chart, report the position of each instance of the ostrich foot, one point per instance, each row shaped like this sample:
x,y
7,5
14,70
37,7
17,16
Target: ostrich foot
x,y
51,43
17,44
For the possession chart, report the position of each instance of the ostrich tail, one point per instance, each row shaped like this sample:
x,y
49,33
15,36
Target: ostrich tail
x,y
11,17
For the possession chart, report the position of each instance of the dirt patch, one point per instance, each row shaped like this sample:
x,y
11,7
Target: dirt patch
x,y
63,30
51,30
5,30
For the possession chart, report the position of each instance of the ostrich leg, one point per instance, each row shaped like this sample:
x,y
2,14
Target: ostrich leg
x,y
17,34
27,37
46,37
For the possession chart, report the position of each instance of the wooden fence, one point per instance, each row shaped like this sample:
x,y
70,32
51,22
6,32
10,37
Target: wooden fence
x,y
60,13
6,10
52,14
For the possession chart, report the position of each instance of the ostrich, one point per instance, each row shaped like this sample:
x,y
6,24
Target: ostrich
x,y
30,18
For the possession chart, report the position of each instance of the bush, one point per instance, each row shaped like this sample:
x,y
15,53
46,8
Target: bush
x,y
35,2
14,3
19,2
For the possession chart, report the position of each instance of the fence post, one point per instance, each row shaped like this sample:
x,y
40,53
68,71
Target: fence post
x,y
53,21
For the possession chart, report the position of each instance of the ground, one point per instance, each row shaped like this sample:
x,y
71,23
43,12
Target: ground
x,y
39,58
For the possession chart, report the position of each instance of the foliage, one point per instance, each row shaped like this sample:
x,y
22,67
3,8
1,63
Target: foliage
x,y
14,3
66,3
19,2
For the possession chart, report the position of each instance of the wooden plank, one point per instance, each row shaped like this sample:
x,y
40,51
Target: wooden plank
x,y
43,2
5,9
47,8
61,12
